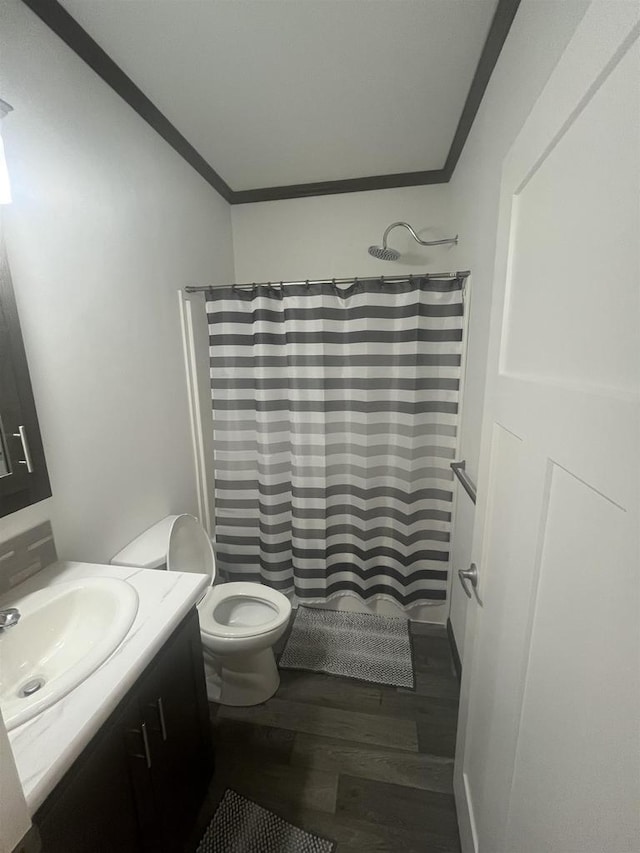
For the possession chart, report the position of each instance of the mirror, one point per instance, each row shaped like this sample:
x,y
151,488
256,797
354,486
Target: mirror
x,y
23,472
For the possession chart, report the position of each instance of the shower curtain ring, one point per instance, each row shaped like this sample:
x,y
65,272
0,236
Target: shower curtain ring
x,y
306,281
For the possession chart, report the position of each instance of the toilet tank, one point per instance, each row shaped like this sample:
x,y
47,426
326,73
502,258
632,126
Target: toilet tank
x,y
149,550
177,543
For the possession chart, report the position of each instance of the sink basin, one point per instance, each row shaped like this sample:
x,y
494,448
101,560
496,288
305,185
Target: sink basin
x,y
65,633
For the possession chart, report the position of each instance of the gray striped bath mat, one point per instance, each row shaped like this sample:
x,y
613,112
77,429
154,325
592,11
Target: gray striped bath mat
x,y
353,645
241,826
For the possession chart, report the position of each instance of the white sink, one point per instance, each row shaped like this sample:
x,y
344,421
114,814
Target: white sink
x,y
66,631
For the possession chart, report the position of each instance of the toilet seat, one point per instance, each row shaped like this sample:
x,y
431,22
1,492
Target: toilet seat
x,y
241,609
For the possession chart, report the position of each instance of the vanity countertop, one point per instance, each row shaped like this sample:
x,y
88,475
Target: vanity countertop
x,y
45,747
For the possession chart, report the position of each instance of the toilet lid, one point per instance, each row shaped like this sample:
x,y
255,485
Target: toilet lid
x,y
190,549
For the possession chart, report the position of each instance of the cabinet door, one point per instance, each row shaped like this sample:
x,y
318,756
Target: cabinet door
x,y
140,782
136,736
174,709
92,808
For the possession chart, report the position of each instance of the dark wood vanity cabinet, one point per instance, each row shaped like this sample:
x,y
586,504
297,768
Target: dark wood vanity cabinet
x,y
140,782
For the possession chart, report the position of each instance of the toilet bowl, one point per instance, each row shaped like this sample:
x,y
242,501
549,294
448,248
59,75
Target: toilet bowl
x,y
239,622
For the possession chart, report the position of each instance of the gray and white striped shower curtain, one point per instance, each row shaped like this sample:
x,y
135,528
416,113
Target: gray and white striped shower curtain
x,y
335,415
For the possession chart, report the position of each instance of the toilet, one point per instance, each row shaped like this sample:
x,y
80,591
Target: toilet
x,y
239,622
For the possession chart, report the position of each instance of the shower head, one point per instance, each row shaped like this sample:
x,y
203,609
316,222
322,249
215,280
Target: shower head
x,y
384,253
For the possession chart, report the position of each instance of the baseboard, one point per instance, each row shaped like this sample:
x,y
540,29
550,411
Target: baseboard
x,y
454,650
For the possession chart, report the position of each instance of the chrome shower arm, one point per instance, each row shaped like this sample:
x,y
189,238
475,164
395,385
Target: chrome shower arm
x,y
415,236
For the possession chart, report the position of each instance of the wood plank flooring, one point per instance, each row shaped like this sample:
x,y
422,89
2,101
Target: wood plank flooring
x,y
367,765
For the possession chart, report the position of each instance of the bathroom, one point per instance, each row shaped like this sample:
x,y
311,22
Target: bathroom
x,y
110,221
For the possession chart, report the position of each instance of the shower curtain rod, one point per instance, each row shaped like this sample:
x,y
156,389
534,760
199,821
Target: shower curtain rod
x,y
383,278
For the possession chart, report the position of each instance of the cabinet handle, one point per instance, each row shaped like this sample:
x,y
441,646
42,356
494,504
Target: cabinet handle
x,y
145,742
163,726
22,435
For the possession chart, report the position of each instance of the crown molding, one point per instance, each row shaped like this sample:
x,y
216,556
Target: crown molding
x,y
496,37
349,185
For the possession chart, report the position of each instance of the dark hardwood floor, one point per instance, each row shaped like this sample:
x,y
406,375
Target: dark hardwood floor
x,y
368,766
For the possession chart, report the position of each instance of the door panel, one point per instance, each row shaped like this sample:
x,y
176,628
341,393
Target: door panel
x,y
567,756
547,757
575,219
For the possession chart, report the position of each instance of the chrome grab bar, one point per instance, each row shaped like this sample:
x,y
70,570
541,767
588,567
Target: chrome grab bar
x,y
458,469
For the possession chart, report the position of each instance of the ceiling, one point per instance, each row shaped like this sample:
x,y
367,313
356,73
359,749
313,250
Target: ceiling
x,y
278,92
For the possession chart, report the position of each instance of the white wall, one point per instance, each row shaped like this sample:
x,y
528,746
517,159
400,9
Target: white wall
x,y
107,223
328,236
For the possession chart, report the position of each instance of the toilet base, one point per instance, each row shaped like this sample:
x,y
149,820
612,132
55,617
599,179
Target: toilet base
x,y
241,680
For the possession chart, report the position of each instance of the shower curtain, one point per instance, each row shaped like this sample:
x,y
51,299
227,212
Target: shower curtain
x,y
335,414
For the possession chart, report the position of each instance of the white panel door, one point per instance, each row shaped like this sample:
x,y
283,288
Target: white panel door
x,y
548,755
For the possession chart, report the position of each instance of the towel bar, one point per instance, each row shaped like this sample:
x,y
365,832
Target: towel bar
x,y
458,469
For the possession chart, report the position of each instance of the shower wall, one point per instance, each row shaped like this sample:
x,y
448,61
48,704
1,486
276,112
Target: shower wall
x,y
328,236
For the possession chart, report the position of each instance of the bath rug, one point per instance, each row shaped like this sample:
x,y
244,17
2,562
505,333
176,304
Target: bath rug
x,y
242,826
354,645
